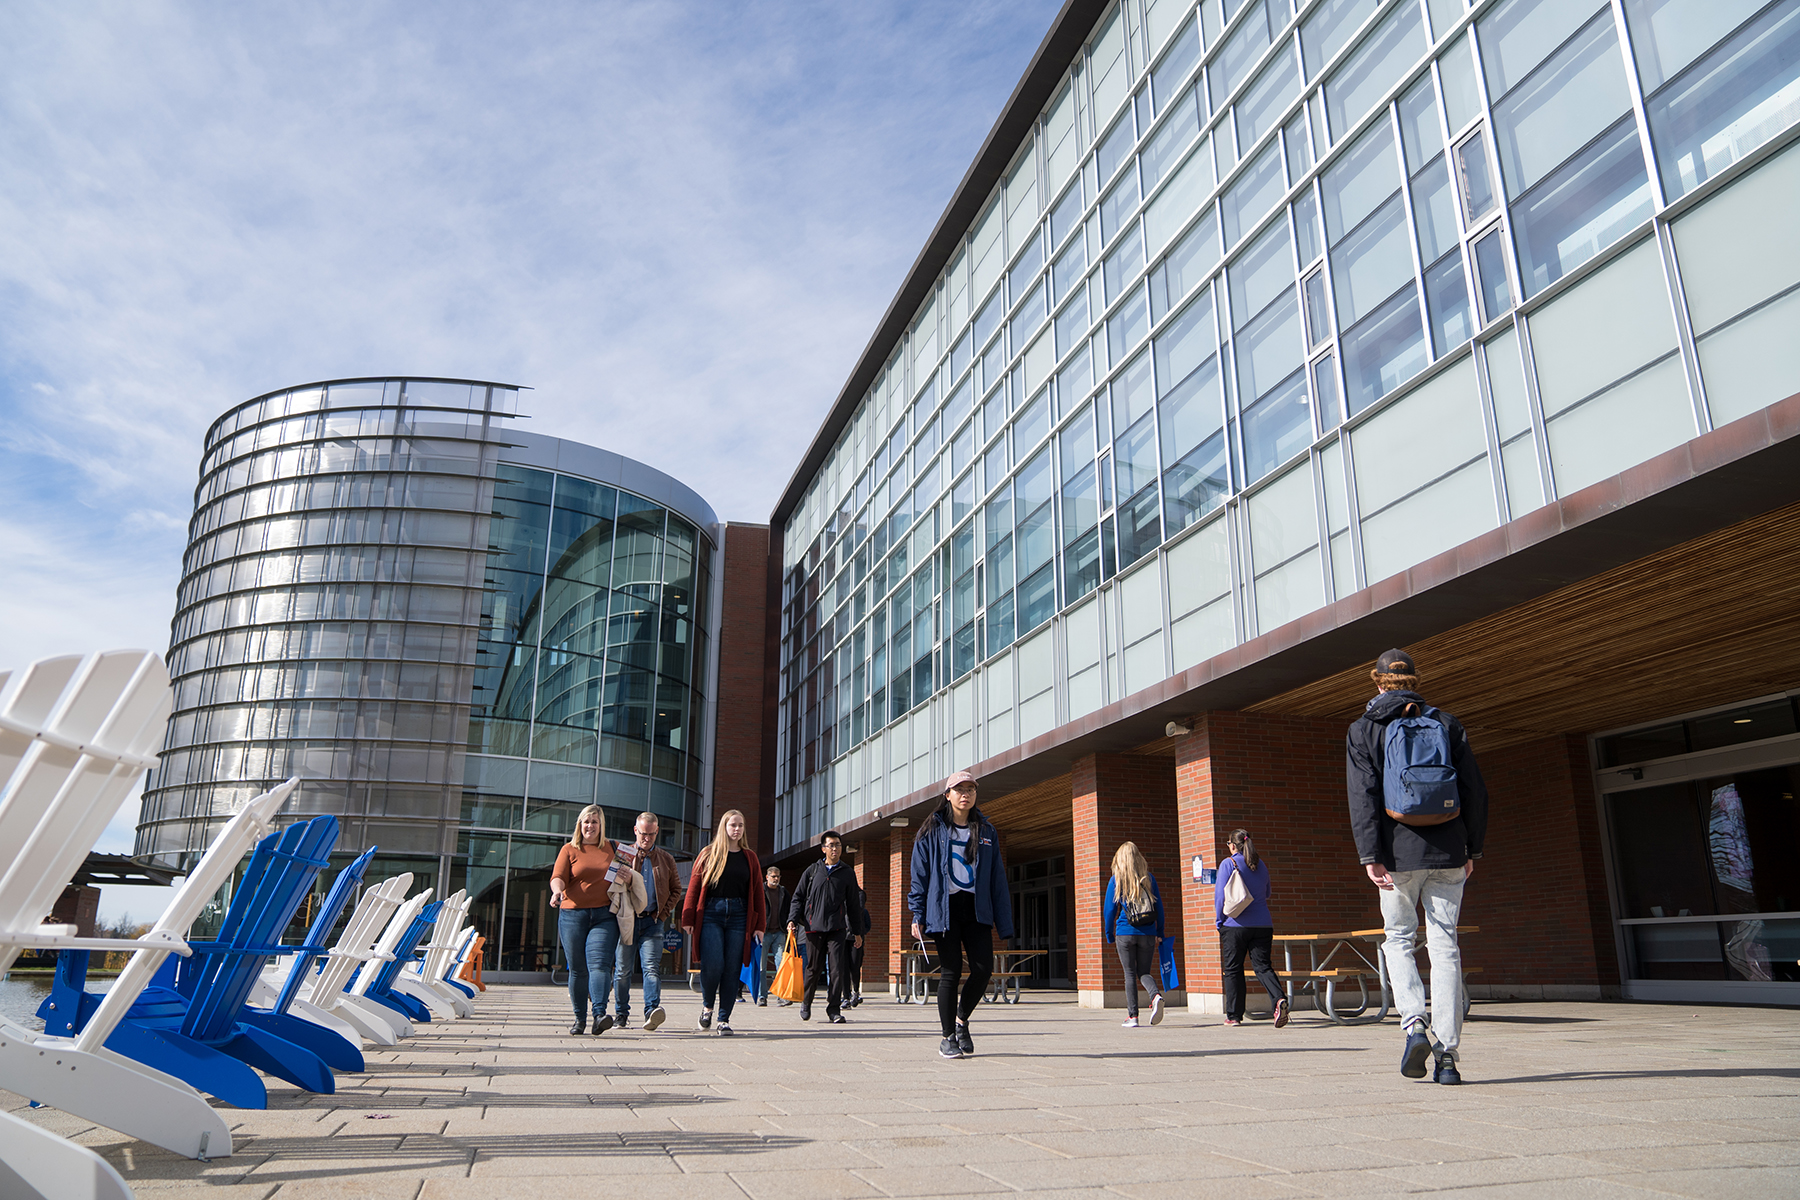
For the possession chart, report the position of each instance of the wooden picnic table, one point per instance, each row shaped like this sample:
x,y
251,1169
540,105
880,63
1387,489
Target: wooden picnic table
x,y
1330,971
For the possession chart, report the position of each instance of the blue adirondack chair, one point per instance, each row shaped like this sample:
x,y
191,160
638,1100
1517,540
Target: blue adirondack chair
x,y
382,989
338,1053
193,1021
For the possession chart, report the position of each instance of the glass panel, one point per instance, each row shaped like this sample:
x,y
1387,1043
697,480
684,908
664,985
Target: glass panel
x,y
1448,300
1434,211
1254,193
1462,100
1122,265
1581,209
1178,200
1269,349
1371,263
1306,228
1276,428
1299,146
1172,140
1444,15
1318,316
1284,539
1179,62
1419,135
1115,148
1189,263
1517,36
1359,182
1117,206
1067,271
1472,174
1579,92
1374,67
1263,101
1232,64
1328,29
1384,351
1325,390
1667,35
1065,218
1490,262
1736,99
1260,274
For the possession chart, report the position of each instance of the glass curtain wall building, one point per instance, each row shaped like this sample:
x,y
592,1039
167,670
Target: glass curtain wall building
x,y
456,633
1274,301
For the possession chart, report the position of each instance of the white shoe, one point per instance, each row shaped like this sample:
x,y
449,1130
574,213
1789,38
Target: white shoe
x,y
1131,1022
1156,1009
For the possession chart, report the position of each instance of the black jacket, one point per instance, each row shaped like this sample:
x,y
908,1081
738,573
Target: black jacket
x,y
1380,838
777,902
827,901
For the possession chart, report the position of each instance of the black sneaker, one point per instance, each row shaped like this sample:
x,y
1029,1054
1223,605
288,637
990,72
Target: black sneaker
x,y
806,1012
838,1018
602,1024
1412,1059
706,1018
653,1018
950,1048
1445,1070
623,1021
963,1040
725,1029
763,1003
579,1027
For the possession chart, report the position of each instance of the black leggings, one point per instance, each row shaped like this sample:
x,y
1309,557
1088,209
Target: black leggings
x,y
1234,943
968,936
1137,954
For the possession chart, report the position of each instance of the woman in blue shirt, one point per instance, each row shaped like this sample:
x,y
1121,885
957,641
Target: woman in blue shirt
x,y
1251,931
1132,915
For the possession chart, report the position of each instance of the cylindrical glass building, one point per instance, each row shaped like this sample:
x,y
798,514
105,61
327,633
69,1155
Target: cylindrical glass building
x,y
456,633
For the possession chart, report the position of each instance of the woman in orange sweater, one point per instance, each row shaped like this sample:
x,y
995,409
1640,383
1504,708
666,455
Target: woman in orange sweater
x,y
584,920
724,899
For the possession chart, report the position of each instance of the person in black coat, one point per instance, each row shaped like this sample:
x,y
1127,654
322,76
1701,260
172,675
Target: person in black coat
x,y
827,909
776,898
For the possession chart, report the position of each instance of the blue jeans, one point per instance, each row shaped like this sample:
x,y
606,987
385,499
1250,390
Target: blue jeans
x,y
590,940
721,954
646,943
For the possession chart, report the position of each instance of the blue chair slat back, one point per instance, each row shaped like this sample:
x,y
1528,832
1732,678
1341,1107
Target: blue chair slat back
x,y
342,888
218,978
407,948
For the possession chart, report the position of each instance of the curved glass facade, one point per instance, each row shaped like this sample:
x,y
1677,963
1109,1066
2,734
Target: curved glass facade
x,y
1249,255
449,631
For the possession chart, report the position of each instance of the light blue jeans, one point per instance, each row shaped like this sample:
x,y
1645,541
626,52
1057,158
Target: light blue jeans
x,y
590,941
1441,892
647,950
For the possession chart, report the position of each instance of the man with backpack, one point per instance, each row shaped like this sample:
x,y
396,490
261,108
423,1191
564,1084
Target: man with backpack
x,y
1418,811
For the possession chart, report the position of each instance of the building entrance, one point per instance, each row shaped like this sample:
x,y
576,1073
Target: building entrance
x,y
1703,829
1040,899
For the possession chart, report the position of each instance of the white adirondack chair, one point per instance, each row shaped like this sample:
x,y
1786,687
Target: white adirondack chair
x,y
354,996
323,1000
74,735
425,980
36,1164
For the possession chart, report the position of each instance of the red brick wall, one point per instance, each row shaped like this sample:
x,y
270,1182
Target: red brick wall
x,y
1282,779
872,866
899,917
1120,798
739,743
1538,894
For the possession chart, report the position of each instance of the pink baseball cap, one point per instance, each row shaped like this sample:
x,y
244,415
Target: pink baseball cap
x,y
959,777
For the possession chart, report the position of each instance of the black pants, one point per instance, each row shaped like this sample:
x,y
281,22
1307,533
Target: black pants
x,y
965,937
1234,943
836,947
1137,954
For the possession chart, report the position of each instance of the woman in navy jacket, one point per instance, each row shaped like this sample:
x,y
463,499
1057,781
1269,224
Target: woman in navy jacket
x,y
1251,932
1132,891
959,896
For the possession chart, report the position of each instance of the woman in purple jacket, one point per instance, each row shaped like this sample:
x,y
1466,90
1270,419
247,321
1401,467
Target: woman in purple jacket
x,y
1251,932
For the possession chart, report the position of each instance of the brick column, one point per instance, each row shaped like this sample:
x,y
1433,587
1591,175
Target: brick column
x,y
1282,779
1120,798
872,867
899,919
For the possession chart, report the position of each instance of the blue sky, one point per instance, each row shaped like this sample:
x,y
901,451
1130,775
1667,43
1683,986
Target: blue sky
x,y
678,223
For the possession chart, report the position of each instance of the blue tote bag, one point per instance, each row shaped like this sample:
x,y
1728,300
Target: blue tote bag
x,y
1171,975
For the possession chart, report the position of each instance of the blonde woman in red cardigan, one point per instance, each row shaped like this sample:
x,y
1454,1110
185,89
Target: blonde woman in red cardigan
x,y
725,913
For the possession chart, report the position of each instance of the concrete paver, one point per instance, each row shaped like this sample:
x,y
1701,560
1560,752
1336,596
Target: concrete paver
x,y
1615,1100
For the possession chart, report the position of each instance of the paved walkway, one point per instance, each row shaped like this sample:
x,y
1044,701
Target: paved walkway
x,y
1594,1100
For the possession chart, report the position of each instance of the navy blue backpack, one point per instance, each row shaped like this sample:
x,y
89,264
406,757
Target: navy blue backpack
x,y
1418,784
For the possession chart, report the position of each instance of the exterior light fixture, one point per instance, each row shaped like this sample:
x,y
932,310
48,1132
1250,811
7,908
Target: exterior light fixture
x,y
1177,729
900,822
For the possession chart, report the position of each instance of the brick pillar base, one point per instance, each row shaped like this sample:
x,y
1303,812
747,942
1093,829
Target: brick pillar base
x,y
898,918
1120,798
